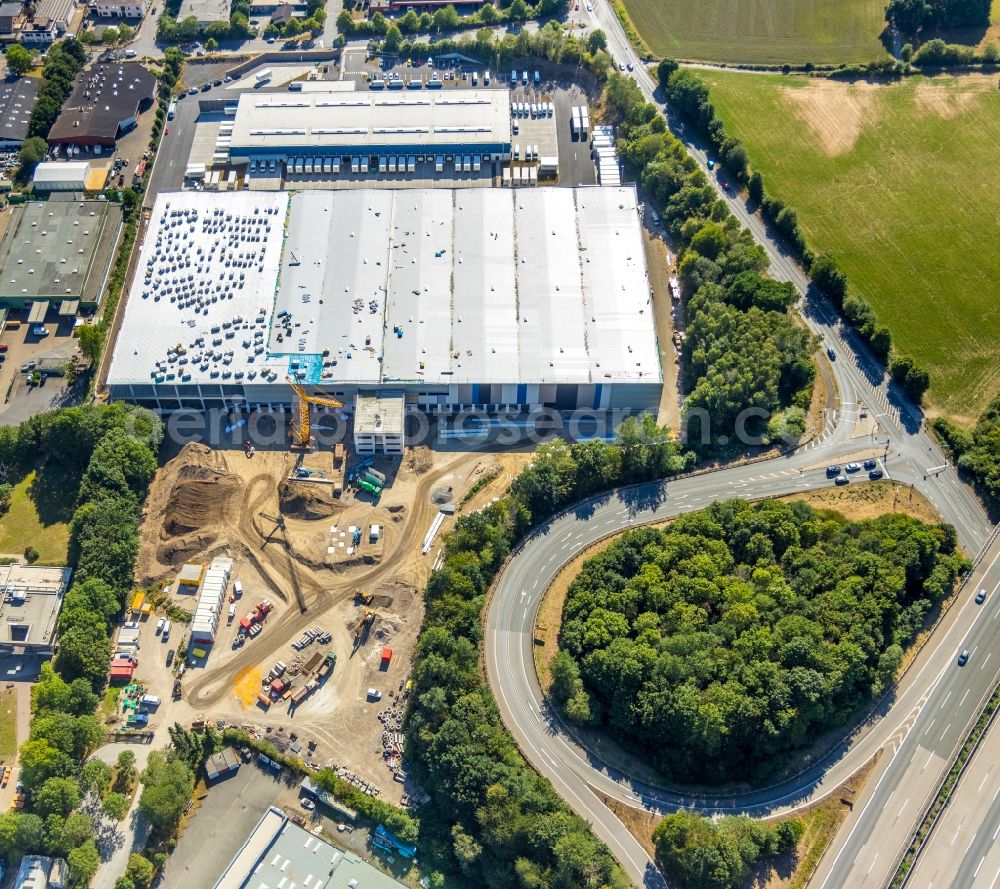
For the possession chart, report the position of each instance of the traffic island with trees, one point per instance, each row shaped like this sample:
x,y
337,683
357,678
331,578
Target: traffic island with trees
x,y
741,632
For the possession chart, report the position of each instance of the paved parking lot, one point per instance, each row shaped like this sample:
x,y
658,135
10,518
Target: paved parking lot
x,y
213,836
21,400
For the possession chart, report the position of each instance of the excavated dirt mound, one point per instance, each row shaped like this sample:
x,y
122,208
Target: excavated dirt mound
x,y
201,495
302,500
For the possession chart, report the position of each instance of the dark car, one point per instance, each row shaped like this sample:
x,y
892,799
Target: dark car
x,y
875,474
980,597
963,658
841,480
831,471
831,354
871,464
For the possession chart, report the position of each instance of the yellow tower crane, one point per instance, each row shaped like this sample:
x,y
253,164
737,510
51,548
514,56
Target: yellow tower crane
x,y
303,424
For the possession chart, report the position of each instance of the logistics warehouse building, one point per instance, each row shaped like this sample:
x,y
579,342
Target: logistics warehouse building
x,y
445,299
341,125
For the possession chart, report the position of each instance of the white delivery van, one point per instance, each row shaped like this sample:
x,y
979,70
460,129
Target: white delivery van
x,y
166,632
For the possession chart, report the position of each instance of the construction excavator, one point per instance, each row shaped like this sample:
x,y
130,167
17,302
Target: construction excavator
x,y
302,428
362,628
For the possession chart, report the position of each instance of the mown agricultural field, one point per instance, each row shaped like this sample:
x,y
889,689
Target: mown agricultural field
x,y
762,31
898,182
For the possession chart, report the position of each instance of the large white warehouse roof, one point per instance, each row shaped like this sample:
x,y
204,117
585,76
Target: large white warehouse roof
x,y
337,119
545,285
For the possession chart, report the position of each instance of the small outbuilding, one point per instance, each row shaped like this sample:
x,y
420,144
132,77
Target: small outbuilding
x,y
222,765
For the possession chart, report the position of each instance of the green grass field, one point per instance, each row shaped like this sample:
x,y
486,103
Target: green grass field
x,y
38,517
8,725
762,31
899,183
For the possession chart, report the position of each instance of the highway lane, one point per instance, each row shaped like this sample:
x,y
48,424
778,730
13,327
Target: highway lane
x,y
891,811
962,852
910,455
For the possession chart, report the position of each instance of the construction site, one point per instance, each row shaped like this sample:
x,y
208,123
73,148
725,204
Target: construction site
x,y
318,583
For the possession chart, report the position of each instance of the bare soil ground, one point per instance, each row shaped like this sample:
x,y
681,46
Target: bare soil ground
x,y
836,116
206,502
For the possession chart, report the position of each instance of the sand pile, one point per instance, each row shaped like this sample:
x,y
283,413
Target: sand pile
x,y
192,500
302,500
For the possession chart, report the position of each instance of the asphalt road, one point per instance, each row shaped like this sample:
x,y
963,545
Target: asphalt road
x,y
921,745
963,852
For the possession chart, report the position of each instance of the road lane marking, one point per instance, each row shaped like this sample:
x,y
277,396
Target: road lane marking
x,y
870,866
963,698
985,662
945,732
945,701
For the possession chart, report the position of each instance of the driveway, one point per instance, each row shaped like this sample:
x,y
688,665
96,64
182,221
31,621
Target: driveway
x,y
117,842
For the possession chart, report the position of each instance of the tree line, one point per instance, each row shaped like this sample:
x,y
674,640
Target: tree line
x,y
63,62
742,631
492,820
911,17
444,18
551,43
170,29
105,455
743,348
699,853
976,452
690,96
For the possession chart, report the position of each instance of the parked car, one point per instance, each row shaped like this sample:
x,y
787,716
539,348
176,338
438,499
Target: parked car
x,y
871,464
852,467
875,474
831,471
306,803
3,347
39,330
159,625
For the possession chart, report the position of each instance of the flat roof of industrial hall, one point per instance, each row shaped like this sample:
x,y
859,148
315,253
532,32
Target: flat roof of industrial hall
x,y
58,250
17,99
335,118
544,285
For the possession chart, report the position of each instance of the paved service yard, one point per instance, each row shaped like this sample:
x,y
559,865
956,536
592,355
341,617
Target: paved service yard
x,y
228,812
21,400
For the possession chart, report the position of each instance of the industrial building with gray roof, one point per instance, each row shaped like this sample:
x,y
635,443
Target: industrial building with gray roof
x,y
279,854
58,250
318,121
452,298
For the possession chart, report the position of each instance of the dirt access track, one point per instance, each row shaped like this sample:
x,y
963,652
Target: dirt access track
x,y
207,501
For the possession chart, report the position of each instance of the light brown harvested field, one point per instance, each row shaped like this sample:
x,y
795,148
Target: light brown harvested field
x,y
835,115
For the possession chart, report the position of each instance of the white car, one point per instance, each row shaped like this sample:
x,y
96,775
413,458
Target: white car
x,y
307,803
159,625
590,7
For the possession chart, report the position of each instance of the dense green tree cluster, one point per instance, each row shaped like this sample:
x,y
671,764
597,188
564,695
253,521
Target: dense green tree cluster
x,y
105,457
977,452
698,853
167,782
690,96
743,349
63,61
562,473
494,821
723,642
914,16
